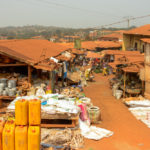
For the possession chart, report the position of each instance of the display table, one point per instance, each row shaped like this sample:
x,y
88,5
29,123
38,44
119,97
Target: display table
x,y
9,98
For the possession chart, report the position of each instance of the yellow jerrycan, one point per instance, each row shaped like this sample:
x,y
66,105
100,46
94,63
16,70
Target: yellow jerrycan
x,y
21,138
34,138
21,112
34,112
1,133
8,138
2,122
10,123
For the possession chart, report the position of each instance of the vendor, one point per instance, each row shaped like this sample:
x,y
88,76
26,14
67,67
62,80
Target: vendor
x,y
104,69
87,73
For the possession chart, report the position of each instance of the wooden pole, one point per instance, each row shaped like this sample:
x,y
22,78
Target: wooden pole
x,y
50,79
1,103
62,77
124,92
29,74
143,88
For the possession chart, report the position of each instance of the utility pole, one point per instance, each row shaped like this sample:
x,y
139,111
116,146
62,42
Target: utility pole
x,y
128,23
128,18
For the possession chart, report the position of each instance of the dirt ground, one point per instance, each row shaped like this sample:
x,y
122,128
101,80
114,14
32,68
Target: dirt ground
x,y
129,133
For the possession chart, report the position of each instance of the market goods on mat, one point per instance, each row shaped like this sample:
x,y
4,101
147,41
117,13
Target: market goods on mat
x,y
21,112
72,92
66,137
56,137
34,138
77,140
34,112
21,138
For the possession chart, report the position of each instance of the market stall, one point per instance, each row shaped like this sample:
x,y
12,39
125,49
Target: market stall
x,y
132,85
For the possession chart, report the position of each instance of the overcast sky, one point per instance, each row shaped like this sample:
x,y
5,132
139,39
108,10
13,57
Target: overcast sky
x,y
72,13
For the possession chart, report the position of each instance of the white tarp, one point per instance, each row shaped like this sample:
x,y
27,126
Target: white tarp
x,y
138,103
93,132
142,113
52,105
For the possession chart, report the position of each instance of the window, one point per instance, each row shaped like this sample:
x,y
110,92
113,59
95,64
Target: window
x,y
135,46
143,48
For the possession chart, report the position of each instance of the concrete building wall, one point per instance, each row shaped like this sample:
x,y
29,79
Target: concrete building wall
x,y
147,70
133,42
126,42
147,73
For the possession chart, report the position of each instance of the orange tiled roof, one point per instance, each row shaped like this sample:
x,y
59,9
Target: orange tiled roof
x,y
108,44
48,65
134,68
93,44
146,40
143,30
88,45
76,51
93,55
125,57
119,52
68,45
30,50
114,35
102,44
134,63
63,58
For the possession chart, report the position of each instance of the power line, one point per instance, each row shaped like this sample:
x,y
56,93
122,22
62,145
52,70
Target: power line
x,y
122,21
75,8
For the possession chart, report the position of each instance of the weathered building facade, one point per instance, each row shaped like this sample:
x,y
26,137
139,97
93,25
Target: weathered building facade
x,y
132,38
147,66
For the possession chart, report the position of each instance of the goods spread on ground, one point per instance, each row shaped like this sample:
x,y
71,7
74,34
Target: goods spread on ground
x,y
140,108
72,92
63,107
65,138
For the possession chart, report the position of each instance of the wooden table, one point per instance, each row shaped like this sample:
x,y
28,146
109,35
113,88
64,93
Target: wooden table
x,y
9,98
59,120
6,98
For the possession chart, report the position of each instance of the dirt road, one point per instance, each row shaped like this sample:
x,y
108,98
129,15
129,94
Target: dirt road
x,y
129,133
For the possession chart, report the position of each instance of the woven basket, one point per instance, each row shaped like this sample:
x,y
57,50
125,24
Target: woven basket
x,y
94,114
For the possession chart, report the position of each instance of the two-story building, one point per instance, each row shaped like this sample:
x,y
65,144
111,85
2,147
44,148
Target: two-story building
x,y
147,66
132,38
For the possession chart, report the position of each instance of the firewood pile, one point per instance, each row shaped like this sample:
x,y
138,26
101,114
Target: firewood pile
x,y
67,138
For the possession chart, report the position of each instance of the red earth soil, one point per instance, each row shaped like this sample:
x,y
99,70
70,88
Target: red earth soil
x,y
129,133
